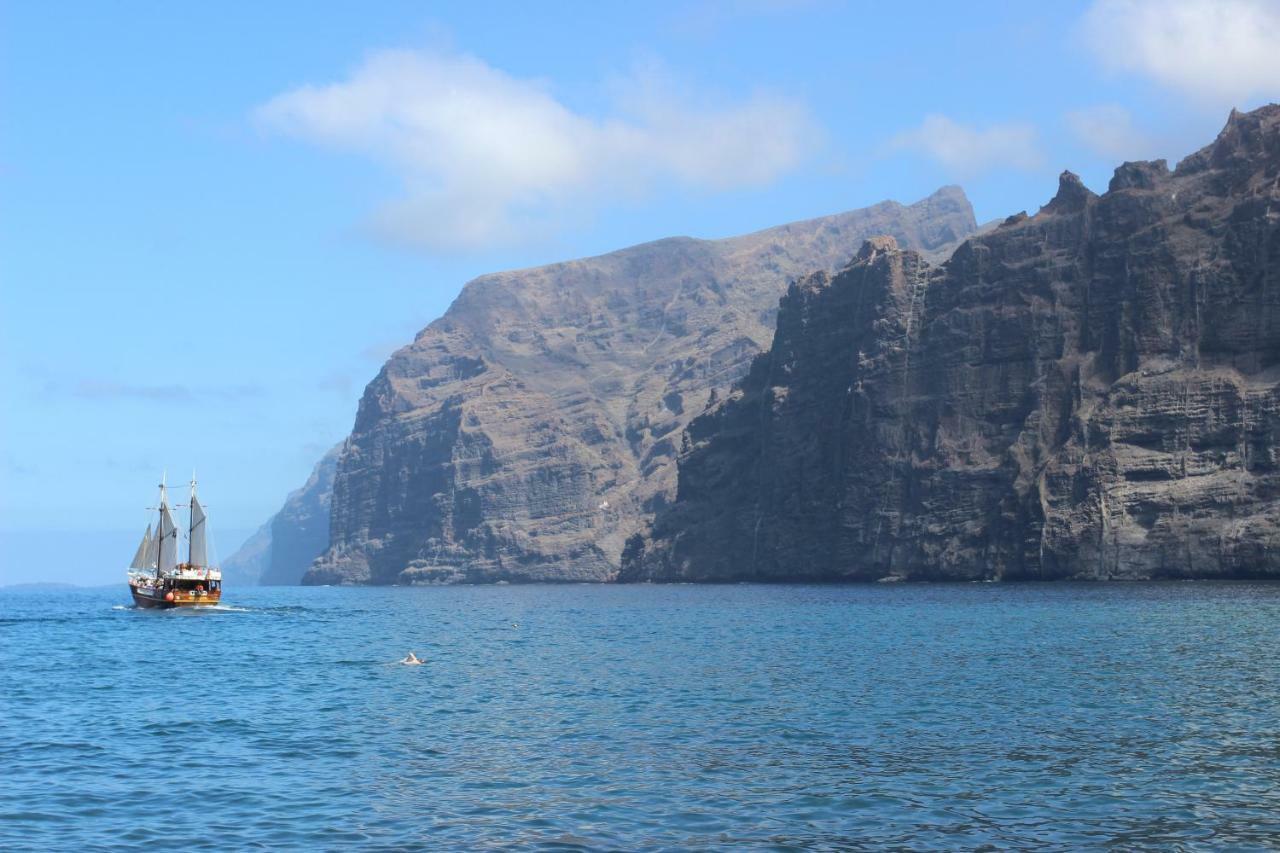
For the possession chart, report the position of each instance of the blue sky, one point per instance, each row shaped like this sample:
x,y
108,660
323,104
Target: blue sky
x,y
216,220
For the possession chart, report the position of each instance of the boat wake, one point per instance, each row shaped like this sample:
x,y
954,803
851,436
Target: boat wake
x,y
204,608
216,608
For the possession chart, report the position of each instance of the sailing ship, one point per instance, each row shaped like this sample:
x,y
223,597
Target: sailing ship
x,y
157,579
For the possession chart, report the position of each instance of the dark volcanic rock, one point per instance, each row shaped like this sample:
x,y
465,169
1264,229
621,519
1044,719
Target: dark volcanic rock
x,y
1092,392
530,431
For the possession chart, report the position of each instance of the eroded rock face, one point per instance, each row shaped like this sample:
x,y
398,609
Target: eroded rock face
x,y
1092,392
530,431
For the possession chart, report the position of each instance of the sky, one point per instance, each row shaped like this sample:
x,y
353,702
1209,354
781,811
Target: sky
x,y
217,220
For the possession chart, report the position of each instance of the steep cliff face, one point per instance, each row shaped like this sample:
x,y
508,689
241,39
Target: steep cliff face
x,y
1092,392
530,431
282,550
300,530
245,566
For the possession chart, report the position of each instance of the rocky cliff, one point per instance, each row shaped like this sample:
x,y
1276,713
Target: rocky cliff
x,y
533,429
1090,392
245,566
300,530
282,550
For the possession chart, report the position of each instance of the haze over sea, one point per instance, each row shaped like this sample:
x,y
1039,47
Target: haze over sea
x,y
945,716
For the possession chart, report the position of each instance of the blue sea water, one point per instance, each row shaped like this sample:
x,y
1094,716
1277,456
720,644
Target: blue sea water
x,y
644,717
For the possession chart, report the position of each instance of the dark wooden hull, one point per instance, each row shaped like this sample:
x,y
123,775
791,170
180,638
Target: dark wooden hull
x,y
181,598
144,600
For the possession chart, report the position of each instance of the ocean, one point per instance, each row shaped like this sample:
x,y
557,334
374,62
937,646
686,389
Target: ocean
x,y
1055,716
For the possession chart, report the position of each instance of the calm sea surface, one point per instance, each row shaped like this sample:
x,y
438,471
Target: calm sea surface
x,y
1060,716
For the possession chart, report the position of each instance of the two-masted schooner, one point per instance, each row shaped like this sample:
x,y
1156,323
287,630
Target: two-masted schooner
x,y
157,579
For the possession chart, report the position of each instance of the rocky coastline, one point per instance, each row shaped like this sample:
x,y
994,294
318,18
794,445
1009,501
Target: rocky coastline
x,y
1091,392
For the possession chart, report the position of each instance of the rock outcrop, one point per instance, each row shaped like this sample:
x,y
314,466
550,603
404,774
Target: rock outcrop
x,y
1090,392
533,429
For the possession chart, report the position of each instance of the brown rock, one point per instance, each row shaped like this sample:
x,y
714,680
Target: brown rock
x,y
1092,392
534,428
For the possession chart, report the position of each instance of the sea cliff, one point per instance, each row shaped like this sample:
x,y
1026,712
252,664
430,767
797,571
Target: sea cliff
x,y
534,428
1089,392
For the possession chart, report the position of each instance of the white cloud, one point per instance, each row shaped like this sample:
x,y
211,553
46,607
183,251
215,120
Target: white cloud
x,y
1223,52
965,150
1108,130
486,158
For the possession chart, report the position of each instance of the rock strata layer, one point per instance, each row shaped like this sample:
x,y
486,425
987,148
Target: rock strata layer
x,y
1090,392
534,428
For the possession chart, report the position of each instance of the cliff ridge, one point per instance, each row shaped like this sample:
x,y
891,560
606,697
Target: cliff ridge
x,y
1090,392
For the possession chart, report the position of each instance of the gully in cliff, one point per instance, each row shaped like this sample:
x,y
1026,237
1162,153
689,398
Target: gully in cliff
x,y
157,579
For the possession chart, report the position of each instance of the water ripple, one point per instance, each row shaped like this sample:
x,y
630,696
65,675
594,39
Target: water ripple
x,y
926,717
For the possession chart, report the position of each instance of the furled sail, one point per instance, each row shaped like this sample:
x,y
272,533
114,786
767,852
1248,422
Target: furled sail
x,y
141,559
198,530
167,539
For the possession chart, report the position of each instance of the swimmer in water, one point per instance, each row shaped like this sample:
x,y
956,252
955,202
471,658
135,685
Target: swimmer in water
x,y
412,660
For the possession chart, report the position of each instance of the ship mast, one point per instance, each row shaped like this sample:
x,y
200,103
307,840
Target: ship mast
x,y
160,525
165,542
191,524
197,531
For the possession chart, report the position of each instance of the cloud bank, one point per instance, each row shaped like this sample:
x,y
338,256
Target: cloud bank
x,y
1222,52
485,158
1108,130
966,151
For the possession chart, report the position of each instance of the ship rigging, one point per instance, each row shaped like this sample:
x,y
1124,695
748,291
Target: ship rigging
x,y
157,578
